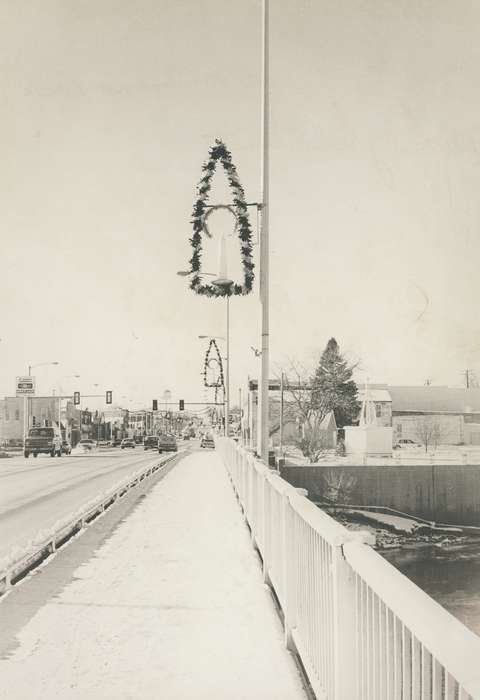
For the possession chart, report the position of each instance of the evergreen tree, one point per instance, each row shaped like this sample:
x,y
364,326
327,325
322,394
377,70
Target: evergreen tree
x,y
333,388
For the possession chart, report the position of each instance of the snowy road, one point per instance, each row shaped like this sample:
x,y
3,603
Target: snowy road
x,y
167,603
35,494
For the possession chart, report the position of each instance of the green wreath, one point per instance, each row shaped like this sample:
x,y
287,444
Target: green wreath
x,y
219,152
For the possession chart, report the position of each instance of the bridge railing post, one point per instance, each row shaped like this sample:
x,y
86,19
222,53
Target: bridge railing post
x,y
344,627
289,571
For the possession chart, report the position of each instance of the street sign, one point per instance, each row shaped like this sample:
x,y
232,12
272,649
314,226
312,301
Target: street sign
x,y
25,386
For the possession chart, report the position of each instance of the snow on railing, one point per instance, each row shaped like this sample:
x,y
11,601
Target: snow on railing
x,y
22,558
362,630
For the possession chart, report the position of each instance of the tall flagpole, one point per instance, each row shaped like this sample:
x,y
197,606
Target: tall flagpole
x,y
264,247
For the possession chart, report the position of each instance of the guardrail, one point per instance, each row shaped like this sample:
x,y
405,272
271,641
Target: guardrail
x,y
22,560
362,630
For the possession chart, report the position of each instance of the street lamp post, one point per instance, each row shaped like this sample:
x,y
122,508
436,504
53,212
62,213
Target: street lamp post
x,y
227,369
264,240
223,282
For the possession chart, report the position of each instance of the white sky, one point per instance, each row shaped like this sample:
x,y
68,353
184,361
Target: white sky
x,y
107,112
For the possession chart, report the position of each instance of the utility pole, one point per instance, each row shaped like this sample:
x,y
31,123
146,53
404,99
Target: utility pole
x,y
466,374
264,242
227,372
281,414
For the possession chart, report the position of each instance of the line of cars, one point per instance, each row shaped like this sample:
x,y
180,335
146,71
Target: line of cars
x,y
163,443
49,440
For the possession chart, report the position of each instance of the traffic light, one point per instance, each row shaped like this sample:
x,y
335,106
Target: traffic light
x,y
108,397
76,398
155,405
181,405
34,420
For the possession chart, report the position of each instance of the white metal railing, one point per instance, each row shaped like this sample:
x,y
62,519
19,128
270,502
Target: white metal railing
x,y
363,631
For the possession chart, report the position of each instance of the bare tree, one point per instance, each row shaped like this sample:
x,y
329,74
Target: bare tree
x,y
311,440
338,487
429,431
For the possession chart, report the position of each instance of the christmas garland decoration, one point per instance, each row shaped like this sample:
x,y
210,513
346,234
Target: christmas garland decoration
x,y
201,211
206,364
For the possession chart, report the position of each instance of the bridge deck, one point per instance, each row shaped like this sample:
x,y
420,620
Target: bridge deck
x,y
171,604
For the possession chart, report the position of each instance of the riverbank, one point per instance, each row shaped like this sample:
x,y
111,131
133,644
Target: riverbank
x,y
396,532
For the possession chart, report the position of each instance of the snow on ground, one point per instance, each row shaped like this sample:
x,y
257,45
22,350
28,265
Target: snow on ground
x,y
171,606
448,454
397,522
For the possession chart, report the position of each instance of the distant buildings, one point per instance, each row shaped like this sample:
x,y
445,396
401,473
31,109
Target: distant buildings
x,y
75,424
453,413
40,411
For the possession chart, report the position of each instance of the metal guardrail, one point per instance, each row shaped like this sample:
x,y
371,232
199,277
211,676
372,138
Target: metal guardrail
x,y
362,630
14,567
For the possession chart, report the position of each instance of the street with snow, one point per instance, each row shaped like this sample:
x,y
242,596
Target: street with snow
x,y
167,602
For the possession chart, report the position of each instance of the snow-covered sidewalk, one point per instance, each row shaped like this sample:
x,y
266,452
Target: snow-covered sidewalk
x,y
171,607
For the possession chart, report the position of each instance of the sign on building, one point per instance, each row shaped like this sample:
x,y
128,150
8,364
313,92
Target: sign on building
x,y
25,386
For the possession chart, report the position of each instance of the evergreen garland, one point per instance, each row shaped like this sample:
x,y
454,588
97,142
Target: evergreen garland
x,y
219,152
220,381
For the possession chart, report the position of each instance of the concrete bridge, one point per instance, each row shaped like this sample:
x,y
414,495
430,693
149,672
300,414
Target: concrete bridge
x,y
173,602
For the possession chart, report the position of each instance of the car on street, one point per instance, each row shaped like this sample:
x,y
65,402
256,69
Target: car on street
x,y
47,440
150,442
167,443
84,446
127,442
207,442
406,443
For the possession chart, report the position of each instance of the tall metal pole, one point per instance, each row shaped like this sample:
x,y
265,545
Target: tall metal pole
x,y
240,416
227,374
264,245
26,411
281,415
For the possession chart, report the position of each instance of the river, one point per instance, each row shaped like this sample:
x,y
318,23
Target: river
x,y
450,575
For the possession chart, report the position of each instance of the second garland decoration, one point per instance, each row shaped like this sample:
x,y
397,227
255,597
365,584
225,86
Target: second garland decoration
x,y
209,363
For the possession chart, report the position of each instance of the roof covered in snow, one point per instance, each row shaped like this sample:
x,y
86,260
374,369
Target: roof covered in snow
x,y
435,399
374,394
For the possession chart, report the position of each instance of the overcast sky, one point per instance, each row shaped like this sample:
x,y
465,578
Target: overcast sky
x,y
107,111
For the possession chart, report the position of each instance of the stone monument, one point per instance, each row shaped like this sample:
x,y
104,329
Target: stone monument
x,y
367,439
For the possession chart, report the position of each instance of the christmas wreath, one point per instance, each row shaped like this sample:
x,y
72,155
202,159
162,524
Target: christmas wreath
x,y
201,211
208,364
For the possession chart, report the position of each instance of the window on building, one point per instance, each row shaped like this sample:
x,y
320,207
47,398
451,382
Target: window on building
x,y
7,414
399,428
378,410
17,414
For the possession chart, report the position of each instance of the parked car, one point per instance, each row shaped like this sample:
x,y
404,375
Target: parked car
x,y
405,443
167,443
43,441
207,441
128,442
116,442
66,447
150,442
